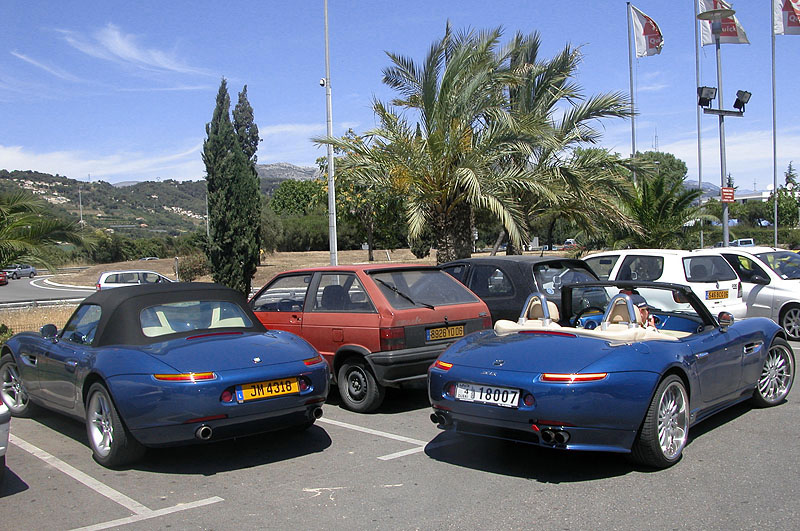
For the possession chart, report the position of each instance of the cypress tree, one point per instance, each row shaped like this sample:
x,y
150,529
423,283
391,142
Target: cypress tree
x,y
227,172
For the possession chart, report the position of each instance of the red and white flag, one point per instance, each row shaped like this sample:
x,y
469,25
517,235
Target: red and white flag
x,y
732,31
649,39
787,17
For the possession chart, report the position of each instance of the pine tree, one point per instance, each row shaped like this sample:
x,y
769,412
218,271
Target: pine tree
x,y
233,224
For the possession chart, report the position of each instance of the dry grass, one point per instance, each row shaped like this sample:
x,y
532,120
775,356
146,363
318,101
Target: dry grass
x,y
33,318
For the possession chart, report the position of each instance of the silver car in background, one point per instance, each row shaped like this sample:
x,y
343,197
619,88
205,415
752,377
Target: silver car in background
x,y
118,279
770,283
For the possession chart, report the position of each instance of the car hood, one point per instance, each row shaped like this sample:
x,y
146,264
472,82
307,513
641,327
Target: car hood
x,y
534,353
231,351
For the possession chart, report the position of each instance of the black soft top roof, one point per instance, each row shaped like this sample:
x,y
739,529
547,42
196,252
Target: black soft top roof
x,y
120,307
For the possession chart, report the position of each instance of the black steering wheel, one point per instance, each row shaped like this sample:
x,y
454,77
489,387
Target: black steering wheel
x,y
583,311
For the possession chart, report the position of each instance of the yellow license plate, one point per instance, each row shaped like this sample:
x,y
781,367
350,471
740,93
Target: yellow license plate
x,y
259,390
446,332
715,294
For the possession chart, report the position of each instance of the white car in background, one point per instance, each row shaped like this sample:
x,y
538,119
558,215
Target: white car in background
x,y
770,283
118,279
707,273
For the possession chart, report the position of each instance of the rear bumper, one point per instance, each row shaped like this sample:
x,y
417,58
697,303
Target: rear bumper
x,y
394,367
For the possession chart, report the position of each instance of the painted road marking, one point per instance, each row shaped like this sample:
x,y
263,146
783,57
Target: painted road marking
x,y
140,511
419,445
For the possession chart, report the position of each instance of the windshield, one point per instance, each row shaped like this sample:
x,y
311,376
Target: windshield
x,y
421,288
550,276
785,264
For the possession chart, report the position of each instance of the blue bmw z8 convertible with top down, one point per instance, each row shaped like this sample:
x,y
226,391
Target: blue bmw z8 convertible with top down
x,y
164,364
626,378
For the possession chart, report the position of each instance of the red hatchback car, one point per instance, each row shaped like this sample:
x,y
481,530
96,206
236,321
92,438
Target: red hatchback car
x,y
3,278
377,326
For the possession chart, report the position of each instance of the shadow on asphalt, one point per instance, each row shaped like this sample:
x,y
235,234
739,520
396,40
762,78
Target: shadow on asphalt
x,y
408,398
210,458
12,484
547,465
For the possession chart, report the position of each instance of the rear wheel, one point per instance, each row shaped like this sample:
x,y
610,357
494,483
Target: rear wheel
x,y
13,392
112,445
665,428
777,375
32,274
358,387
790,322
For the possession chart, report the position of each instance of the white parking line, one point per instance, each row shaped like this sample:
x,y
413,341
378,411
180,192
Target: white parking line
x,y
140,511
419,445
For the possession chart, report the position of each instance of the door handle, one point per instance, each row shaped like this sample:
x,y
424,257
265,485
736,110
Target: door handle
x,y
702,354
71,365
297,317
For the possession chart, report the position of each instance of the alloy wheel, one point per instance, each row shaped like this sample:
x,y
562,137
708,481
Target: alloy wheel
x,y
776,375
673,421
101,430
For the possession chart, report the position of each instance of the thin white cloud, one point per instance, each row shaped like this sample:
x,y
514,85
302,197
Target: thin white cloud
x,y
169,89
180,165
57,72
111,44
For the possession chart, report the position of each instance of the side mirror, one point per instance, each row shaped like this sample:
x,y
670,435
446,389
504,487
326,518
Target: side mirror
x,y
48,331
725,320
758,279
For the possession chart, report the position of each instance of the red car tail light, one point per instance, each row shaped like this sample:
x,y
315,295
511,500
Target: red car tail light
x,y
303,385
97,286
186,377
442,365
487,321
570,378
393,338
313,361
226,396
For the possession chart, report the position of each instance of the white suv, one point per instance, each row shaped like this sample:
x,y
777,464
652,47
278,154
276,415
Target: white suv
x,y
770,282
117,279
709,276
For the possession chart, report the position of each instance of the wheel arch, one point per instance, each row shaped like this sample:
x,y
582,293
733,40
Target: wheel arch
x,y
91,379
346,352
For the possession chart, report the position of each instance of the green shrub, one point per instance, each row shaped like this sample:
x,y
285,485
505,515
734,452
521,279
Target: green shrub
x,y
5,333
192,266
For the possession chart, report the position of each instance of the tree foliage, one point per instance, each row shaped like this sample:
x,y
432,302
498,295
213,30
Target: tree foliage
x,y
233,196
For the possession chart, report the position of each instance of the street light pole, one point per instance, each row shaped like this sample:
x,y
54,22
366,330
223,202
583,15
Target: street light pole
x,y
331,183
716,28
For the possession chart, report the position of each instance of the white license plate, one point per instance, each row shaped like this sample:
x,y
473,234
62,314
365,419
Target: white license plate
x,y
498,396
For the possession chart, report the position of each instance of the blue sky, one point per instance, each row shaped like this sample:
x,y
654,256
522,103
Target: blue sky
x,y
123,90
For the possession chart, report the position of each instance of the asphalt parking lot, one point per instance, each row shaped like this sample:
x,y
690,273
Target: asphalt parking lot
x,y
396,470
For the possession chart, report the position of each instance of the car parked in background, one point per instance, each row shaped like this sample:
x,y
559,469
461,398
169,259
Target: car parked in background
x,y
3,278
118,279
709,276
743,242
16,271
378,326
770,284
161,365
504,282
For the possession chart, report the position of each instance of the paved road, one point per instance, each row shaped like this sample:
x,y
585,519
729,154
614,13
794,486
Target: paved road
x,y
395,470
40,288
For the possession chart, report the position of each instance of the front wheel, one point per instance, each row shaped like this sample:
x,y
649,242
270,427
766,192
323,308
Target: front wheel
x,y
13,392
358,387
14,276
665,428
777,375
790,322
112,445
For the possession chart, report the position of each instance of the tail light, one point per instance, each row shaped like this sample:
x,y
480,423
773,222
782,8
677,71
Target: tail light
x,y
739,290
450,390
303,384
443,365
97,286
313,361
393,338
186,377
487,321
570,378
227,395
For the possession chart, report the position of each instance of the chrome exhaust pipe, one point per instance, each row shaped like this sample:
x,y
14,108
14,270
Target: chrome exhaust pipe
x,y
317,413
562,437
203,432
435,418
548,437
440,419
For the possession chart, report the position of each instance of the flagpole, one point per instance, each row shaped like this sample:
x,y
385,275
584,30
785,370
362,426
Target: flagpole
x,y
630,71
774,147
699,143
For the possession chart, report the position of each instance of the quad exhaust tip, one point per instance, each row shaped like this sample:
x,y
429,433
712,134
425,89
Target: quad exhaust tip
x,y
317,413
550,436
440,419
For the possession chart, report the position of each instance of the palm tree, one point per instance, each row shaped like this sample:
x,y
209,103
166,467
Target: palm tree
x,y
453,159
664,209
586,184
27,232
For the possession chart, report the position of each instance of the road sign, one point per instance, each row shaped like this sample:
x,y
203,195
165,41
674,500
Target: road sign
x,y
727,195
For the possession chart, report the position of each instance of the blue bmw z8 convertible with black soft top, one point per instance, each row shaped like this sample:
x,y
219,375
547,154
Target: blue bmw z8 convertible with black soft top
x,y
626,378
164,364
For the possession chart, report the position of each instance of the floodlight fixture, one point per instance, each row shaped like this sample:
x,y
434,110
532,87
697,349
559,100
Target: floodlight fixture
x,y
705,95
742,97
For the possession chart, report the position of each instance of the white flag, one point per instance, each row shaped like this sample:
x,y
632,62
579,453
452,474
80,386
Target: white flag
x,y
787,17
732,31
649,39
